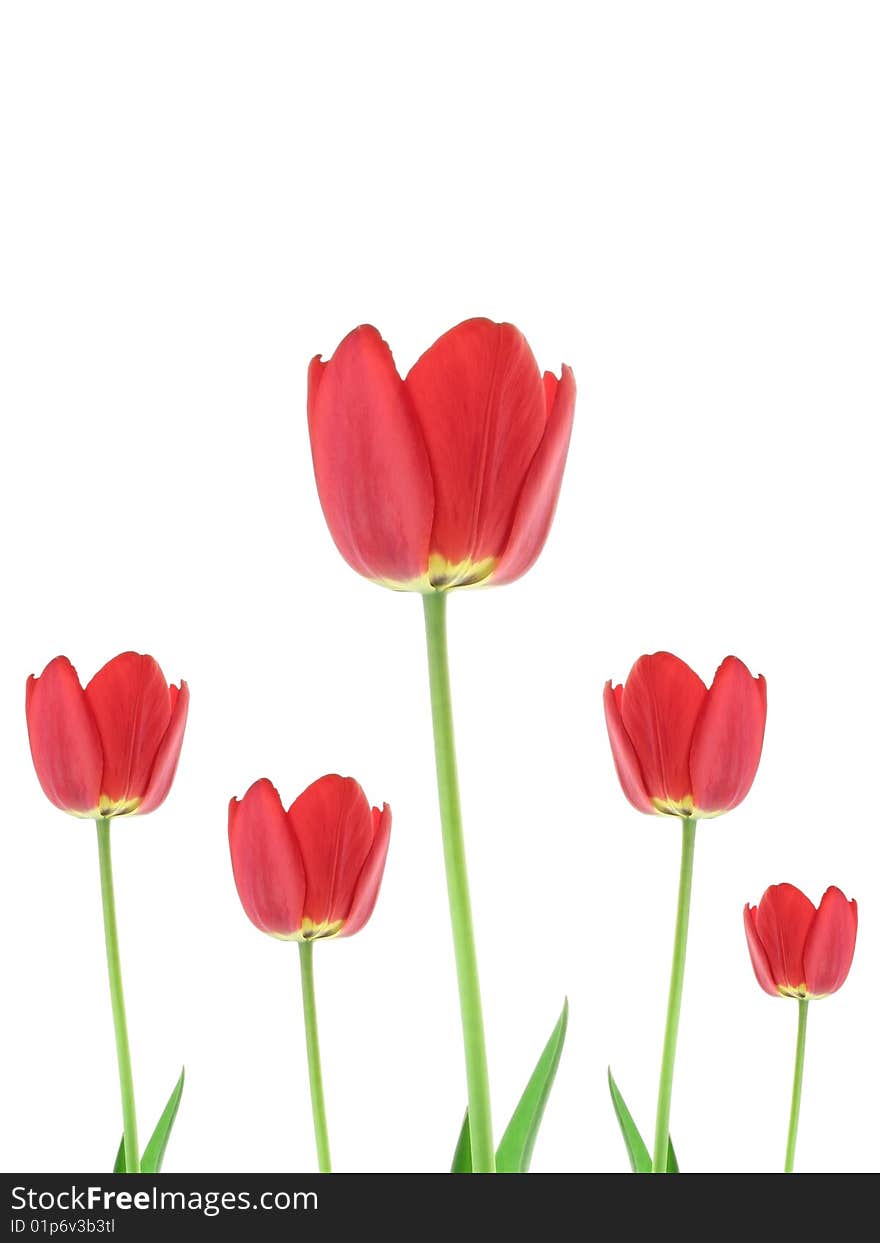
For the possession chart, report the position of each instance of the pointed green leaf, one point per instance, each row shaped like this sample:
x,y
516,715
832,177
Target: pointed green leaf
x,y
639,1158
154,1153
514,1154
461,1162
636,1150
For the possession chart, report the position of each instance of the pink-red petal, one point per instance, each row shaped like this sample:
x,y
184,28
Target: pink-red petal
x,y
371,466
367,889
266,861
661,701
785,916
625,759
131,705
760,963
333,825
165,765
728,738
537,502
64,739
481,406
830,943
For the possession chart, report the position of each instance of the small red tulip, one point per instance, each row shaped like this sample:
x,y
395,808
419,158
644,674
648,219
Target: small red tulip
x,y
680,749
111,749
449,477
797,950
314,870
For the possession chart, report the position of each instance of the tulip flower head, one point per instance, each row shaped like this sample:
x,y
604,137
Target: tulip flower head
x,y
111,749
446,478
797,950
314,870
679,748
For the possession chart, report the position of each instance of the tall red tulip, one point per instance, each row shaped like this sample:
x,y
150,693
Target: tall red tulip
x,y
446,478
111,749
802,952
796,949
314,870
683,750
679,748
306,874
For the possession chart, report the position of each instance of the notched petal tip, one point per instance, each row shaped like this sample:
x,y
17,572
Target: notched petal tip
x,y
830,943
728,737
366,890
626,760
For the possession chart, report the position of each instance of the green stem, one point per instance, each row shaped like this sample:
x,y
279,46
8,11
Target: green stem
x,y
313,1049
796,1086
117,1002
673,1008
476,1066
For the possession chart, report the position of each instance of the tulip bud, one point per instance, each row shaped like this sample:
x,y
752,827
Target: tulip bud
x,y
797,950
679,748
313,871
111,749
449,477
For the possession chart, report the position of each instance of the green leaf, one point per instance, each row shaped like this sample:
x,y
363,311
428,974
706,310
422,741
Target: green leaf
x,y
461,1162
639,1158
514,1155
154,1153
636,1150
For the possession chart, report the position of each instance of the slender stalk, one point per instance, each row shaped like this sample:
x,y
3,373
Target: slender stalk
x,y
476,1066
117,1002
673,1008
313,1049
796,1086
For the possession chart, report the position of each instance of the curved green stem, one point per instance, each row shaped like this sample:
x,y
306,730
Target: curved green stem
x,y
676,984
796,1086
476,1066
313,1049
117,1002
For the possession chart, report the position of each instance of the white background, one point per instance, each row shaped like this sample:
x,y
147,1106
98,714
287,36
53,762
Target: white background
x,y
681,201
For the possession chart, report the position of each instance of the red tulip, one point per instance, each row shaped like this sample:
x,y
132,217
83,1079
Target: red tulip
x,y
797,950
314,870
111,749
680,749
449,477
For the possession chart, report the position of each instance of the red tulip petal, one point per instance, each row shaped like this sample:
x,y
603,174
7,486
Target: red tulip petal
x,y
65,743
132,708
334,828
480,402
367,888
537,504
625,759
756,952
660,704
370,462
169,751
831,943
785,916
728,737
266,861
